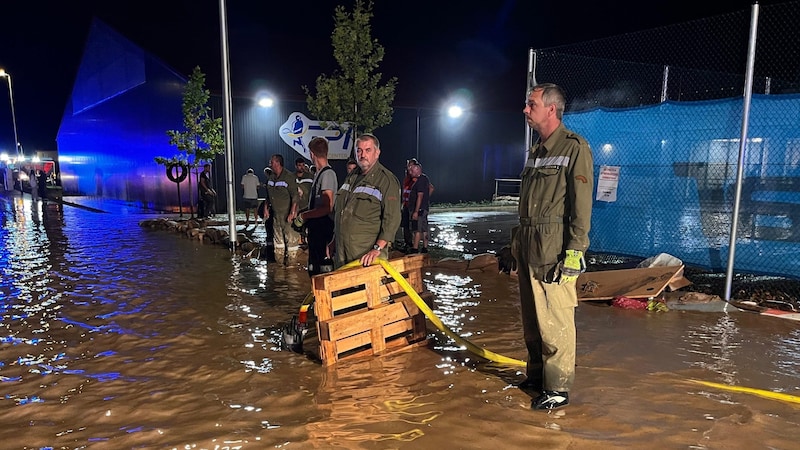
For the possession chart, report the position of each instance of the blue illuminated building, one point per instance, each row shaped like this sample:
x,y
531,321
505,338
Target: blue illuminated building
x,y
115,122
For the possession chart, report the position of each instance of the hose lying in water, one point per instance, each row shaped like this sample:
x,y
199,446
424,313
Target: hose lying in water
x,y
482,352
759,392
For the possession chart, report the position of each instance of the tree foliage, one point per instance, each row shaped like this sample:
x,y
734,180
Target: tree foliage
x,y
354,93
201,139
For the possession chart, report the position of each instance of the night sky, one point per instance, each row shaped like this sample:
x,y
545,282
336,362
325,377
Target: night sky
x,y
433,47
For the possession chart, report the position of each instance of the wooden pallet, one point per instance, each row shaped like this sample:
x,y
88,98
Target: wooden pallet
x,y
362,311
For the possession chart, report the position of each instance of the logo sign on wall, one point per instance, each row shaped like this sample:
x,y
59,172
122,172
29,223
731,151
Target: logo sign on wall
x,y
299,130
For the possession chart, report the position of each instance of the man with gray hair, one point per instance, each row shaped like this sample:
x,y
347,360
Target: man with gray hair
x,y
367,208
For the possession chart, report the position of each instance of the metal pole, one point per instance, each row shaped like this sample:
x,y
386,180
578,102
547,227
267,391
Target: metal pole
x,y
227,124
417,154
748,95
17,147
664,84
531,83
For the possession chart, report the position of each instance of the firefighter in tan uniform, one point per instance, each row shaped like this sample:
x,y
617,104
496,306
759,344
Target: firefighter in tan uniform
x,y
282,198
555,210
367,208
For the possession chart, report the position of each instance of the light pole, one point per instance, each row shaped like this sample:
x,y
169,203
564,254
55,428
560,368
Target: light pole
x,y
453,111
17,145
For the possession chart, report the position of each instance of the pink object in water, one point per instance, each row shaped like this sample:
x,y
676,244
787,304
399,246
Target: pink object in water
x,y
629,303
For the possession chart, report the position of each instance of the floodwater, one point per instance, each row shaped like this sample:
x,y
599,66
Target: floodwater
x,y
116,336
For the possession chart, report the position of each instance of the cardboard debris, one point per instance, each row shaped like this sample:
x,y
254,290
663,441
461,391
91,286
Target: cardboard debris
x,y
632,283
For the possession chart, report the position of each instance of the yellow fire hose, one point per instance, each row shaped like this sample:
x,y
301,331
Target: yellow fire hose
x,y
494,357
759,392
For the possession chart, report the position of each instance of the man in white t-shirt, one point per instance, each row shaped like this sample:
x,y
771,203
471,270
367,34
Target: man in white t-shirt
x,y
250,184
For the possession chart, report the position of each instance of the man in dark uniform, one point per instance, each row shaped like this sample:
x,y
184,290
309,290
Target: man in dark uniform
x,y
555,210
367,208
207,194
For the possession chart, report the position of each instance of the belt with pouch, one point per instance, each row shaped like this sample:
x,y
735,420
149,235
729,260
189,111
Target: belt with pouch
x,y
528,221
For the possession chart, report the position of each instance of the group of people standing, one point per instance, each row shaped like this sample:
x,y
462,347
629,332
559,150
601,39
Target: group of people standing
x,y
37,180
358,219
300,206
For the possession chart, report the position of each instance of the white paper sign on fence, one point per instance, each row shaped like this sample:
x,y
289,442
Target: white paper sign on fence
x,y
607,184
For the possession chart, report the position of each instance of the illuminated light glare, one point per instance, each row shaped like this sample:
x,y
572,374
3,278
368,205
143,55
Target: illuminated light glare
x,y
608,148
266,102
455,111
4,156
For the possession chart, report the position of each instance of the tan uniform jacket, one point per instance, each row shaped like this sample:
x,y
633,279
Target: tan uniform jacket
x,y
282,191
367,208
304,184
555,206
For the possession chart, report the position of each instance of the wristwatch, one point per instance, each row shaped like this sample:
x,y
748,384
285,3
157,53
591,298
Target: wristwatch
x,y
377,247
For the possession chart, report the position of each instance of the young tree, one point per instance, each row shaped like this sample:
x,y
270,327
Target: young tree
x,y
354,94
201,139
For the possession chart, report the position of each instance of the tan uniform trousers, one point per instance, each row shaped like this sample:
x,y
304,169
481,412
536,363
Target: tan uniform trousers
x,y
548,321
286,240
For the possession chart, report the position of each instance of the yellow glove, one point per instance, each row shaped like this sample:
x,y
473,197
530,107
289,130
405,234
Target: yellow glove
x,y
298,223
572,266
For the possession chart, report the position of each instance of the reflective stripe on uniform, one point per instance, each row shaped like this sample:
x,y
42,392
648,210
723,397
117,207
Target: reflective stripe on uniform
x,y
369,191
562,161
279,183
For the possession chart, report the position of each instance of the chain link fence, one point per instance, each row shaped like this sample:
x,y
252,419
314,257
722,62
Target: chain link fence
x,y
664,110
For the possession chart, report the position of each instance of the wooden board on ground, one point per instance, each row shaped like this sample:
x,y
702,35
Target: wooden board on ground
x,y
632,283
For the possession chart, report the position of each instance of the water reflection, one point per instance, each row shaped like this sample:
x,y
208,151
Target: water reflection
x,y
713,347
473,232
362,407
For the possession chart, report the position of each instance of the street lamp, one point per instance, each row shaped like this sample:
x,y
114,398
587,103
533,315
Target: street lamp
x,y
452,111
17,145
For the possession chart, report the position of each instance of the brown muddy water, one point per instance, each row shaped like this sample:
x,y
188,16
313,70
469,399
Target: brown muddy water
x,y
113,336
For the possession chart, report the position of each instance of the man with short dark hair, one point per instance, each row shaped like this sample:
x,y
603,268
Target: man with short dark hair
x,y
418,207
304,180
318,219
282,198
351,165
